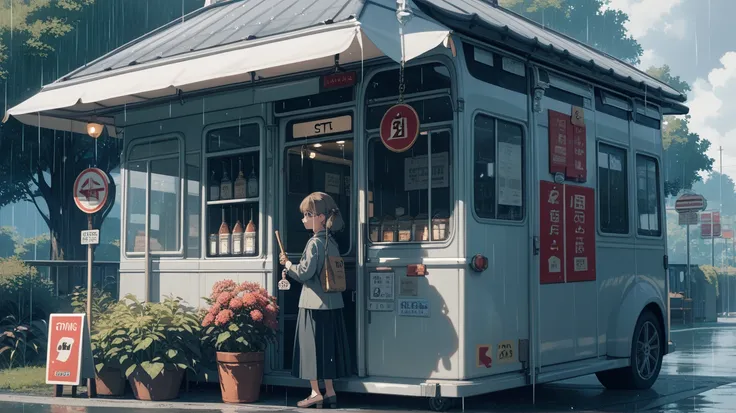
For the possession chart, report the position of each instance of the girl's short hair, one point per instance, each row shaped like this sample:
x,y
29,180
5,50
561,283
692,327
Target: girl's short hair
x,y
320,203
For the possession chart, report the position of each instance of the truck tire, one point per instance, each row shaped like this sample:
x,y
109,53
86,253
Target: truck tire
x,y
647,346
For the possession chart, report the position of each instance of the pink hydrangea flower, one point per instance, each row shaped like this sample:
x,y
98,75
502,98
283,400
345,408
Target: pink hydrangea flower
x,y
215,309
250,299
271,309
256,315
208,319
224,298
224,317
236,303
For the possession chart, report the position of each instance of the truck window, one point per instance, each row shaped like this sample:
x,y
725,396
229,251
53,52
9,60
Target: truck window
x,y
402,206
613,199
498,171
647,196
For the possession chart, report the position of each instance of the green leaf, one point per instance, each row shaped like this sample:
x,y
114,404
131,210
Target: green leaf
x,y
172,353
99,366
123,359
144,344
233,327
153,369
182,366
222,337
129,371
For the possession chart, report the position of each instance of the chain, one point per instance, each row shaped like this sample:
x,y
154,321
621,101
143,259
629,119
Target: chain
x,y
402,85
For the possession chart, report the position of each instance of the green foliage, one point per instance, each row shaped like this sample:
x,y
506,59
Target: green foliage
x,y
24,293
22,344
720,191
710,273
101,302
585,21
150,336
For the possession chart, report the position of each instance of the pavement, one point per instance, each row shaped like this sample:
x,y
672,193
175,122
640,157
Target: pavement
x,y
699,377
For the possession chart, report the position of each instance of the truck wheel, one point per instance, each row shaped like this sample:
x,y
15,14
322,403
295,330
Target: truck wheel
x,y
646,358
441,404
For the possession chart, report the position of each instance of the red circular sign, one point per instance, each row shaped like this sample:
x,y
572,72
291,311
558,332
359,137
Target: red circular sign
x,y
399,127
90,190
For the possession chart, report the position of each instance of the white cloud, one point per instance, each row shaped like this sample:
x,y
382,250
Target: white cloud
x,y
646,15
648,59
712,109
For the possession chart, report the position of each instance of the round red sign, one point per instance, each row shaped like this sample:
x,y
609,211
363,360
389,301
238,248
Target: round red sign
x,y
399,127
90,190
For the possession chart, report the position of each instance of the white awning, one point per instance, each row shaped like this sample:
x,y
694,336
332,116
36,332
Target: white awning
x,y
69,105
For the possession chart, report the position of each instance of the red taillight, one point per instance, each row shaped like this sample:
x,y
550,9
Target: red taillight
x,y
479,263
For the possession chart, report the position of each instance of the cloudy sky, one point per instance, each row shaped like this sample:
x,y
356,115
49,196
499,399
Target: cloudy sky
x,y
697,39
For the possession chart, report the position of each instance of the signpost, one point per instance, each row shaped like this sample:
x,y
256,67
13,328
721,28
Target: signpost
x,y
91,189
687,207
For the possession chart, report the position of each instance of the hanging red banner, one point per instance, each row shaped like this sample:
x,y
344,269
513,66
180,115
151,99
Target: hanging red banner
x,y
579,233
576,161
559,124
551,225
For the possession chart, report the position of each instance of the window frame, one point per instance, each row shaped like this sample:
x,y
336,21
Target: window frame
x,y
430,128
181,155
641,233
204,185
524,164
625,148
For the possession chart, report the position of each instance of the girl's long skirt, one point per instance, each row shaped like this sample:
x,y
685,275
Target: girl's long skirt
x,y
321,349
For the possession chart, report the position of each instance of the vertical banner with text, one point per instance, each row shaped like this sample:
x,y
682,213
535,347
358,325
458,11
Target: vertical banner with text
x,y
567,233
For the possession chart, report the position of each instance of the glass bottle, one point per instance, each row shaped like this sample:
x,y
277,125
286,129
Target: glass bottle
x,y
250,238
239,186
253,183
214,188
237,239
226,185
224,237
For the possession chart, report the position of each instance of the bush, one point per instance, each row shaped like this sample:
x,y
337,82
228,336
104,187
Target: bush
x,y
26,301
101,302
710,273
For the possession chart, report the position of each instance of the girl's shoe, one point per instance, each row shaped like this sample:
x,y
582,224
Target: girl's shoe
x,y
331,401
315,401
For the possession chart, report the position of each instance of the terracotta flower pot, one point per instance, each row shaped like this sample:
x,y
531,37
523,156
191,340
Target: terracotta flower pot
x,y
164,387
110,382
240,375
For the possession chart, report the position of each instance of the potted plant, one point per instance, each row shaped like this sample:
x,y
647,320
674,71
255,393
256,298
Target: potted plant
x,y
105,337
240,323
161,344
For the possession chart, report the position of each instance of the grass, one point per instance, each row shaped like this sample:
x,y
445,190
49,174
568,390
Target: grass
x,y
24,380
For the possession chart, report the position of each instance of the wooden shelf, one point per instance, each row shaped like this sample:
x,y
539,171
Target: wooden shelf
x,y
233,201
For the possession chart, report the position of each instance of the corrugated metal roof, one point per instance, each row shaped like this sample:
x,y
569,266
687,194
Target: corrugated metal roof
x,y
466,15
222,24
235,21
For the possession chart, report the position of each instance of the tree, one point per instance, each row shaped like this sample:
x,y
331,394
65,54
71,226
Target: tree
x,y
585,21
40,41
720,192
685,153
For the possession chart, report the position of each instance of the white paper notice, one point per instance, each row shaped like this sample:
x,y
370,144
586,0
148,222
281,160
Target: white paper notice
x,y
415,172
509,174
332,183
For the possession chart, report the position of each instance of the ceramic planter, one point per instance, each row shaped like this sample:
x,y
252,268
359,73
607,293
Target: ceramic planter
x,y
240,375
110,382
164,387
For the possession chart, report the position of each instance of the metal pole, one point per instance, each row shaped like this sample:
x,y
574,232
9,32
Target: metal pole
x,y
687,240
89,277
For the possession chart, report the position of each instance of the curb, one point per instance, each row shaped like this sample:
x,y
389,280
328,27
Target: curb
x,y
139,404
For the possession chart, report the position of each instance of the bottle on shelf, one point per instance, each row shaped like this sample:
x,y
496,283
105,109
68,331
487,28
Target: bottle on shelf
x,y
224,235
250,238
237,239
253,182
226,185
213,245
214,188
239,188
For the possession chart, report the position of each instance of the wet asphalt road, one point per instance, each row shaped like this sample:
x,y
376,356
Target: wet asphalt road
x,y
699,377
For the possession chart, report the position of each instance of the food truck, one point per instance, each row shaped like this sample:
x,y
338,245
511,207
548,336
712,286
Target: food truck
x,y
502,183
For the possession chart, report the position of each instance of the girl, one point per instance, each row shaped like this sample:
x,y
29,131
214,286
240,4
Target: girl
x,y
321,349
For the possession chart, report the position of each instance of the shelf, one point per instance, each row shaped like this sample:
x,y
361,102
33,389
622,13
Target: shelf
x,y
233,201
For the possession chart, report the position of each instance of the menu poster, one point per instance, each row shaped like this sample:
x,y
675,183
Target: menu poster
x,y
559,123
552,257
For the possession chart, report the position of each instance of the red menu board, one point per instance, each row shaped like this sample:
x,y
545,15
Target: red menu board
x,y
64,351
576,160
579,233
552,258
559,124
567,233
